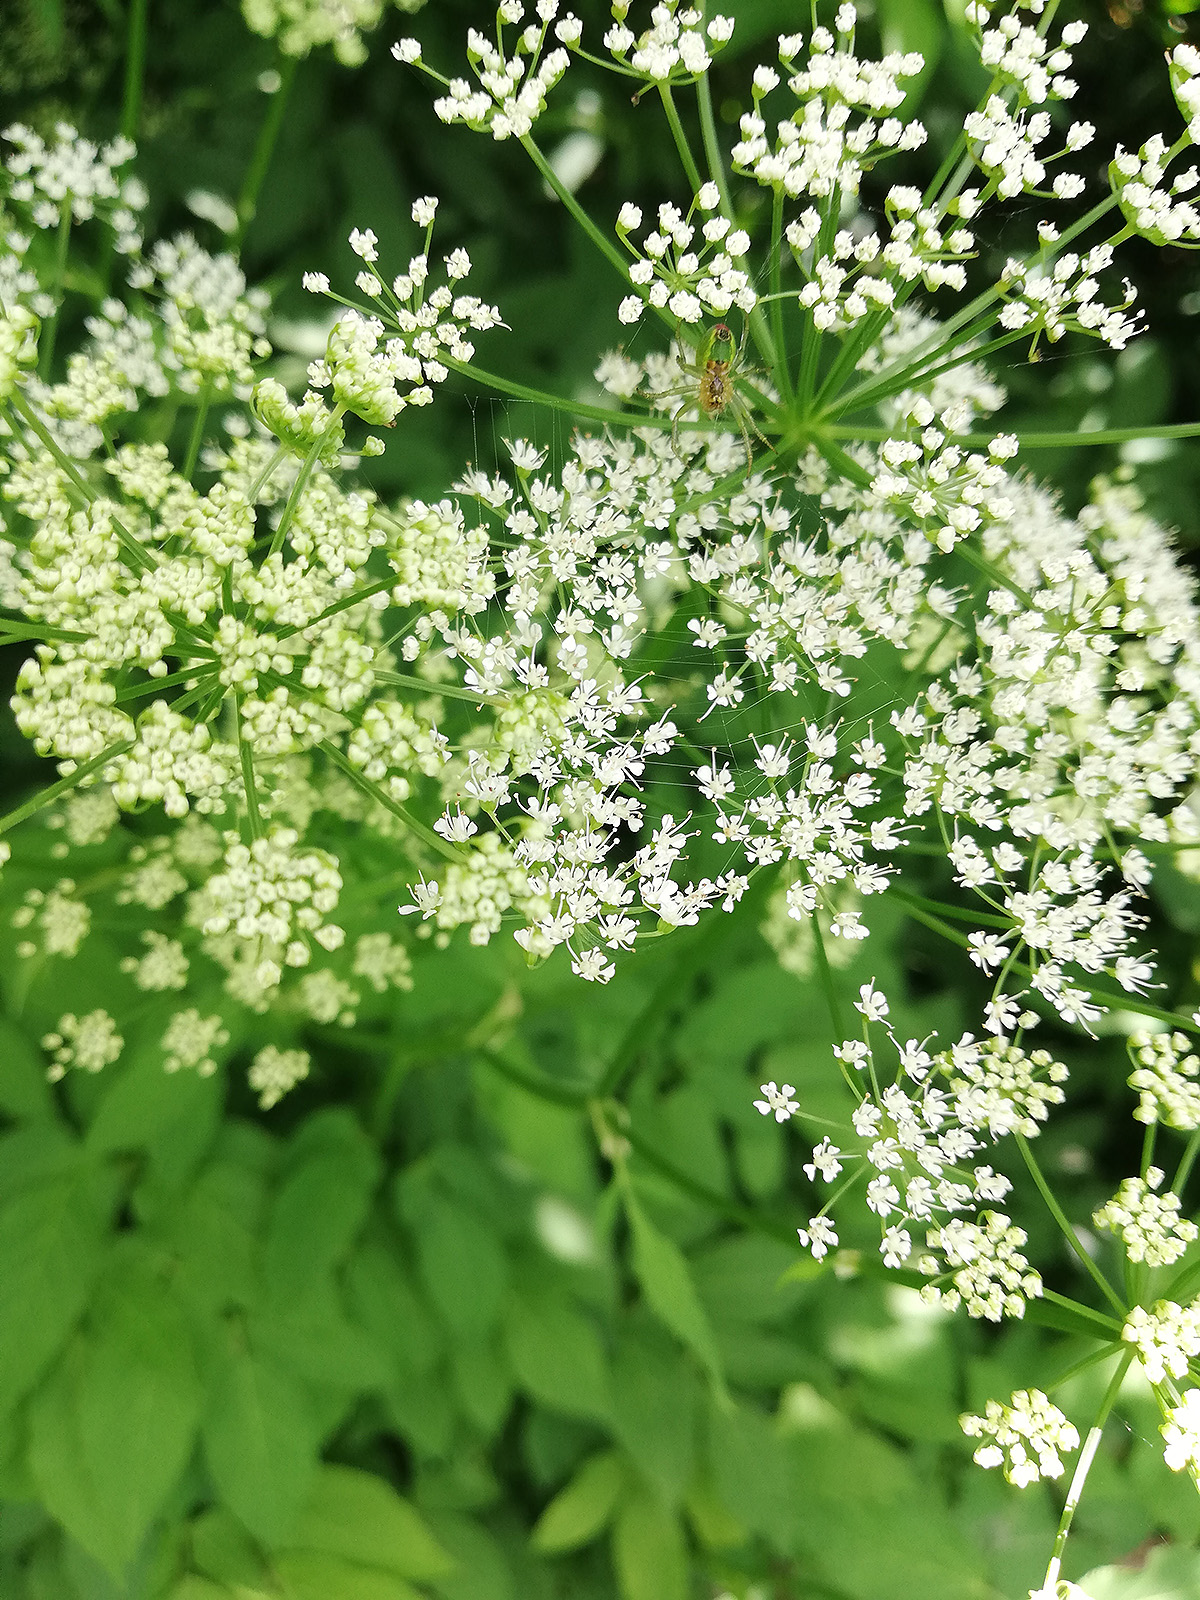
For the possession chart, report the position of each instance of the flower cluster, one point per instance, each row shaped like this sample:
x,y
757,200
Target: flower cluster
x,y
1027,1437
1165,1336
843,124
375,376
1149,1224
88,1043
1181,1435
76,179
512,88
300,26
1165,1070
669,274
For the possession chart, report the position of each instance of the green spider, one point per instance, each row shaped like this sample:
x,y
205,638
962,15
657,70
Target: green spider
x,y
709,387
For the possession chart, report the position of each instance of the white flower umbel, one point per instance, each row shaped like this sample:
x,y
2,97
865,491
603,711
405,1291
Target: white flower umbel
x,y
1027,1437
1148,1223
1166,1337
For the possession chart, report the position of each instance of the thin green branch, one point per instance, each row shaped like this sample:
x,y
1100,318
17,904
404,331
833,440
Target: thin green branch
x,y
1068,1232
135,68
55,791
360,781
542,397
249,786
683,149
1082,1467
264,149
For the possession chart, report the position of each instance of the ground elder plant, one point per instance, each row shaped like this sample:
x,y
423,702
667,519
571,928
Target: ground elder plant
x,y
782,613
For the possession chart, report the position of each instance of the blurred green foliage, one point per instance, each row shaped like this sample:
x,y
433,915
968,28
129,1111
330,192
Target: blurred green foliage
x,y
454,1320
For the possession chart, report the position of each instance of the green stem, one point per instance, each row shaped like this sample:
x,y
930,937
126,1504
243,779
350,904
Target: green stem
x,y
1187,1161
601,240
16,632
554,402
301,483
47,796
783,370
1068,1232
246,756
434,840
448,691
701,1192
680,138
346,603
1034,440
870,394
139,559
1082,1467
135,68
54,287
197,436
535,1083
264,149
825,974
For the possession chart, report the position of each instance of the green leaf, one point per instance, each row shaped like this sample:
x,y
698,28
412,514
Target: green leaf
x,y
315,1340
667,1284
52,1246
260,1439
314,1575
24,1091
223,1550
213,1233
1168,1573
462,1263
649,1551
383,1298
112,1428
557,1356
317,1212
193,1588
656,1401
361,1517
484,1381
142,1101
583,1508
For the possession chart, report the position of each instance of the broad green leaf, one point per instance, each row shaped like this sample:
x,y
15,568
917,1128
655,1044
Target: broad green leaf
x,y
383,1298
484,1381
656,1402
314,1339
871,1526
753,1472
738,1278
260,1439
112,1427
24,1091
35,1154
649,1551
223,1550
483,1571
361,1517
1168,1573
143,1100
583,1508
52,1246
192,1587
319,1208
557,1356
316,1575
462,1263
667,1284
212,1231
